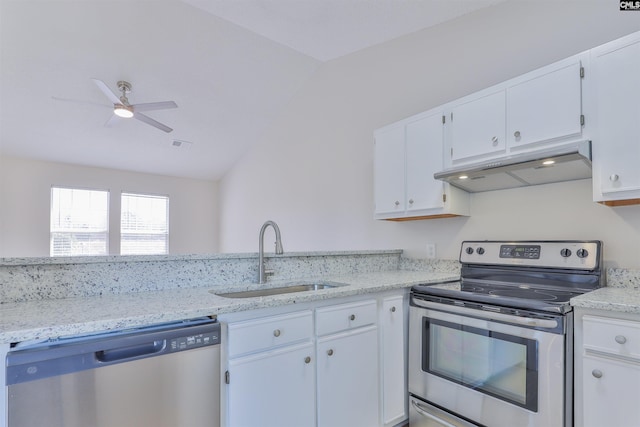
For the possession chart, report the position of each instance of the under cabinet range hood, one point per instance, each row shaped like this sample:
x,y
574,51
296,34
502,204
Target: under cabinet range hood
x,y
565,163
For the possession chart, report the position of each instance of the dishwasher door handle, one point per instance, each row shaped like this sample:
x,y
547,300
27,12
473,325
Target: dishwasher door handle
x,y
131,352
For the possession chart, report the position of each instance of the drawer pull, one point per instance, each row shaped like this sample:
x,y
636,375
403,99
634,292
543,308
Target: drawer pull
x,y
597,373
621,339
330,352
276,333
393,309
352,317
307,360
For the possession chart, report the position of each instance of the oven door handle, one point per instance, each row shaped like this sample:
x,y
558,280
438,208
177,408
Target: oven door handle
x,y
524,321
423,411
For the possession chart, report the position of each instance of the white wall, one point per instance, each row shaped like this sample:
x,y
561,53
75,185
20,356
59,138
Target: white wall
x,y
25,193
312,172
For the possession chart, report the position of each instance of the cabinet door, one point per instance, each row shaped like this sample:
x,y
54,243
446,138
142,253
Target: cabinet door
x,y
274,388
546,107
348,390
478,127
394,376
424,145
617,148
611,391
389,170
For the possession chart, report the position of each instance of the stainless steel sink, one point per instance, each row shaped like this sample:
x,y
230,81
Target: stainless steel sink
x,y
299,287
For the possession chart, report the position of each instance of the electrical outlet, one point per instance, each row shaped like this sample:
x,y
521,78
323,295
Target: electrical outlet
x,y
431,250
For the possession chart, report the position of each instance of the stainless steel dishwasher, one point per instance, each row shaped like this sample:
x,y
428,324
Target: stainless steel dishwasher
x,y
162,376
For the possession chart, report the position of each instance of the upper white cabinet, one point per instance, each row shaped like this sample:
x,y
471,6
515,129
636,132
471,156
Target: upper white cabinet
x,y
406,155
478,126
535,110
389,171
546,105
616,148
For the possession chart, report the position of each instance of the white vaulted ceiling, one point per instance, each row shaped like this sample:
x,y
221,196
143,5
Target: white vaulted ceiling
x,y
230,65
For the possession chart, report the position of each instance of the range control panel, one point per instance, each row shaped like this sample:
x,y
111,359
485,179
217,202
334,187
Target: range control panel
x,y
520,251
572,254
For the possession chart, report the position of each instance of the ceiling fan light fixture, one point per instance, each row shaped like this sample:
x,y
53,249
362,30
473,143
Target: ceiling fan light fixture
x,y
123,111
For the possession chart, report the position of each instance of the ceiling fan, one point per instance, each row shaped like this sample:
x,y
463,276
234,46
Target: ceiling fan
x,y
122,107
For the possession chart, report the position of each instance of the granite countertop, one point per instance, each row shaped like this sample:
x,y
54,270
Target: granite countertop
x,y
32,320
620,299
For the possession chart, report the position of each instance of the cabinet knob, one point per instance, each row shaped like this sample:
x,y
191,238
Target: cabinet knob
x,y
393,309
494,140
517,134
307,360
397,203
276,333
410,201
597,373
352,317
330,352
621,339
614,177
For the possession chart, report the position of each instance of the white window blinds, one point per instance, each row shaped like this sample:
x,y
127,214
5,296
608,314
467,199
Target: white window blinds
x,y
79,222
144,224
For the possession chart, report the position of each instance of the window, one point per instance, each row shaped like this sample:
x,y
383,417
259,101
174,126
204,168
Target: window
x,y
79,222
144,224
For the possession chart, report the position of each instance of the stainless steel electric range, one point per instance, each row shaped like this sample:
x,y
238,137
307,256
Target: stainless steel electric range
x,y
496,347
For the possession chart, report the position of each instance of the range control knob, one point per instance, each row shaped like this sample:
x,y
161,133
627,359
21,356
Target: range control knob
x,y
565,252
582,253
480,251
469,250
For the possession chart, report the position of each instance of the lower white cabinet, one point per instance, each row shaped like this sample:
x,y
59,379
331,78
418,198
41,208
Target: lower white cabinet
x,y
263,386
326,365
348,378
607,369
393,355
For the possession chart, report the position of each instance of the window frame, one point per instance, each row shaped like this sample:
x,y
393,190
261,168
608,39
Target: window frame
x,y
106,232
167,233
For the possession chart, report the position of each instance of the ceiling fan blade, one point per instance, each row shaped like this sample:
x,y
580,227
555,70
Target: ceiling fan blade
x,y
79,101
113,119
148,120
105,89
148,106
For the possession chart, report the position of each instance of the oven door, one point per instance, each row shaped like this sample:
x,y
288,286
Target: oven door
x,y
491,368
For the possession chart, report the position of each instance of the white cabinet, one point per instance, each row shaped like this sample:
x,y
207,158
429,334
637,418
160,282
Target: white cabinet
x,y
537,110
263,386
607,361
393,355
546,105
406,155
271,364
389,171
616,148
348,372
478,126
348,378
327,364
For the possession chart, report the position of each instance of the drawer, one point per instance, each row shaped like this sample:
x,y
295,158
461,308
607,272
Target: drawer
x,y
341,317
269,332
617,336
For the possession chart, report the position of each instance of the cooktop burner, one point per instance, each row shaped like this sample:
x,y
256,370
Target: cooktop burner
x,y
525,292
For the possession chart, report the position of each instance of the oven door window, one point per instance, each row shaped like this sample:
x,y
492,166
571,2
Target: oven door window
x,y
500,365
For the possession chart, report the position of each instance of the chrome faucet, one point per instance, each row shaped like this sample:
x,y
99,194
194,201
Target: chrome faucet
x,y
279,251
